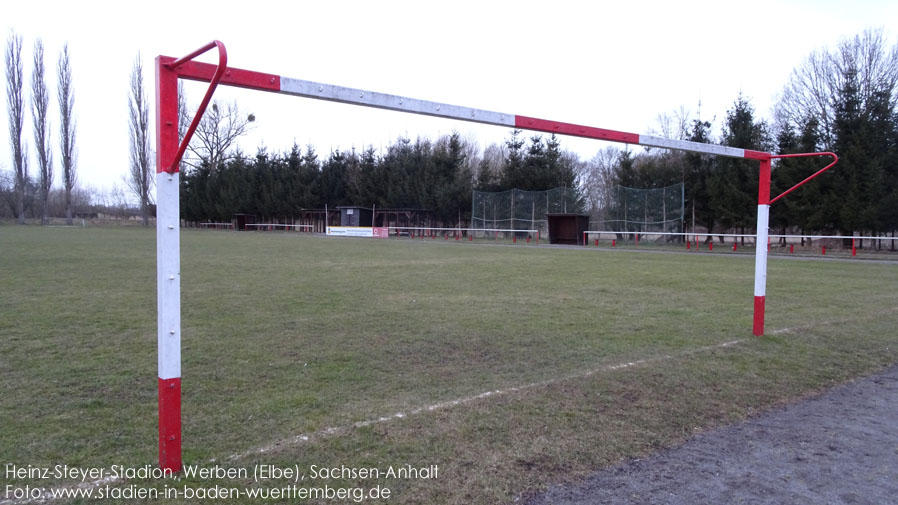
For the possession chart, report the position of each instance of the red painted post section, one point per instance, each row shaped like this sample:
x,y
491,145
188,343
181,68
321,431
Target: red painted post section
x,y
688,244
166,116
853,248
735,243
758,322
532,123
823,250
711,245
597,242
613,242
791,248
236,77
170,424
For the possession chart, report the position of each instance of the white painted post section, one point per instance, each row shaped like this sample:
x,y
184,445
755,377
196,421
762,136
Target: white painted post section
x,y
761,260
168,282
168,275
342,94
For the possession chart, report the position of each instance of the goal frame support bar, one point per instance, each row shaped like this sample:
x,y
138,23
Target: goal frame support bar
x,y
169,152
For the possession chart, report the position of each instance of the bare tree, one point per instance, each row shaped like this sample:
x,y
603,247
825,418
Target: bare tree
x,y
8,192
183,121
66,97
597,180
16,105
673,125
140,181
217,132
471,150
40,105
815,86
118,201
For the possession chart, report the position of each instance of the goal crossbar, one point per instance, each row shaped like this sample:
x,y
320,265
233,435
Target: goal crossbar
x,y
259,81
169,151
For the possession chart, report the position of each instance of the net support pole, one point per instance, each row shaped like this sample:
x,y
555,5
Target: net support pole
x,y
168,268
760,249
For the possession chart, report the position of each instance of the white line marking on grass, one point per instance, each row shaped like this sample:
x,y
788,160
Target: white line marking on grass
x,y
340,430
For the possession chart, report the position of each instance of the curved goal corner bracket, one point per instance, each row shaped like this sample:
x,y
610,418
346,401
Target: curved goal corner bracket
x,y
812,176
213,83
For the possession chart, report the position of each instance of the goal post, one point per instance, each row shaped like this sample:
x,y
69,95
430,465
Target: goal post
x,y
169,151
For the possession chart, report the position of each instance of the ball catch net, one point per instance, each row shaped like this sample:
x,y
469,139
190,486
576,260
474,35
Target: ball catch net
x,y
521,210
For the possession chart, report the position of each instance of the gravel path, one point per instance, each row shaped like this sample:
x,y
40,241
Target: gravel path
x,y
837,448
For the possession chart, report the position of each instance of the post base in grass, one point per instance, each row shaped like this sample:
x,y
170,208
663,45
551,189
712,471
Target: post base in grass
x,y
758,321
170,424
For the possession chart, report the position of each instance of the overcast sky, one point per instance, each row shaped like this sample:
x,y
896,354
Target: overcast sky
x,y
615,65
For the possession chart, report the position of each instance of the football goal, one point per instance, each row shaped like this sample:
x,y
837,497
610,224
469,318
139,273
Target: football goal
x,y
170,149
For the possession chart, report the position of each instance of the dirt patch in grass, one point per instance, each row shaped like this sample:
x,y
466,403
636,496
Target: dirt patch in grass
x,y
840,447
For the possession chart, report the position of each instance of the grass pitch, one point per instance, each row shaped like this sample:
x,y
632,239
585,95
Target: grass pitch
x,y
499,364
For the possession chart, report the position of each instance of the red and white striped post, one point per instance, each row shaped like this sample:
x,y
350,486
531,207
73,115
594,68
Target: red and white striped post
x,y
168,268
760,250
168,243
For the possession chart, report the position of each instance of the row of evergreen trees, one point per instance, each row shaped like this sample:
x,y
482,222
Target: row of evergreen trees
x,y
858,196
422,174
435,175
